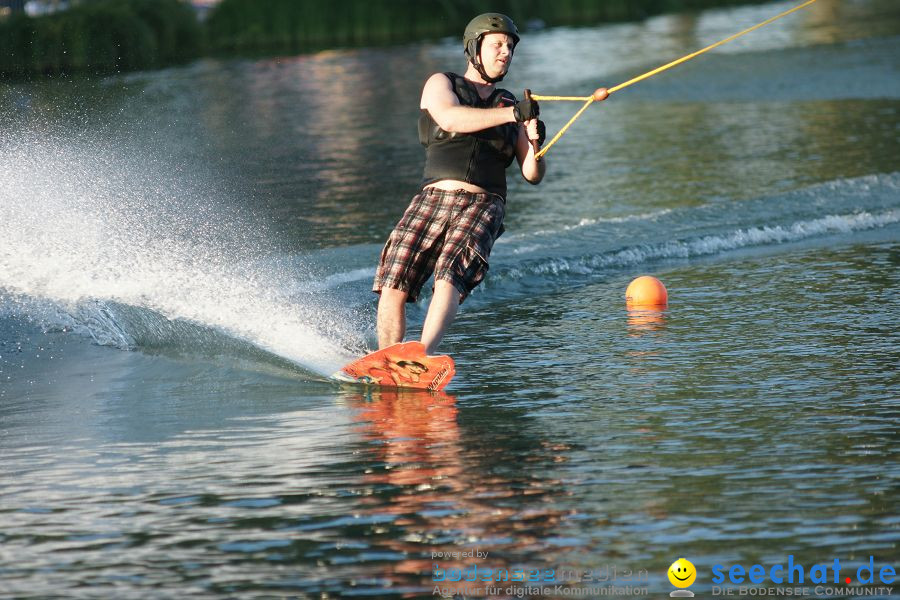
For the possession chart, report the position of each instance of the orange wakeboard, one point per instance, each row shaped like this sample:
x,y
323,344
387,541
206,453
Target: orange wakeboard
x,y
402,365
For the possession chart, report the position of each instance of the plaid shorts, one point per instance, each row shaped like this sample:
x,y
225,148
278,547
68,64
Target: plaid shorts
x,y
448,233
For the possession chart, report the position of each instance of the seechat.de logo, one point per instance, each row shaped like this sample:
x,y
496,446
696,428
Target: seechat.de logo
x,y
793,573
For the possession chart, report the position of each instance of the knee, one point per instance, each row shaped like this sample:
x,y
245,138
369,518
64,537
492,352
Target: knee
x,y
392,299
448,292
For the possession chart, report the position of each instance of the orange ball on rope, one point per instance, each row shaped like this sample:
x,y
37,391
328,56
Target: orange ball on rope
x,y
646,291
601,94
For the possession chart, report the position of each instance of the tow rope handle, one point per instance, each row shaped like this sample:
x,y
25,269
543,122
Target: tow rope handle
x,y
534,143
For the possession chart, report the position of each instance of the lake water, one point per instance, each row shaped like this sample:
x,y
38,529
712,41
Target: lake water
x,y
184,253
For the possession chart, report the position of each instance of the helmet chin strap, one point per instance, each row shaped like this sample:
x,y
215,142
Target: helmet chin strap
x,y
480,68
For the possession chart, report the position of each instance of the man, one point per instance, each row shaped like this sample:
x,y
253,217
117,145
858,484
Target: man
x,y
471,131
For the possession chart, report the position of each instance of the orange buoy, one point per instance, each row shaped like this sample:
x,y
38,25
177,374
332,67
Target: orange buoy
x,y
600,94
646,291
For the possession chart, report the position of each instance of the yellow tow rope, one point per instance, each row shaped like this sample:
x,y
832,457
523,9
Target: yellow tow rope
x,y
588,100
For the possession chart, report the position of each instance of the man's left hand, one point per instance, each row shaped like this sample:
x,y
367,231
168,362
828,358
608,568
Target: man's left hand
x,y
536,130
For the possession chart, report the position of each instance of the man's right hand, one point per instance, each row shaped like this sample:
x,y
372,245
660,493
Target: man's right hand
x,y
525,110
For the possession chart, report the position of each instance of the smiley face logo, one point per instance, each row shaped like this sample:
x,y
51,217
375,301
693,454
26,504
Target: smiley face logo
x,y
682,573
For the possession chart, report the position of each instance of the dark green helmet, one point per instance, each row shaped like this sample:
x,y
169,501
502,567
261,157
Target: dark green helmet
x,y
484,24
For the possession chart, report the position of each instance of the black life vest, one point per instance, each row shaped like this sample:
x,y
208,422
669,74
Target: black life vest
x,y
479,158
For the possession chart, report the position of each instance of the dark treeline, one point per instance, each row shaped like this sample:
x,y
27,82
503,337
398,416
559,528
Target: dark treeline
x,y
100,36
292,25
103,36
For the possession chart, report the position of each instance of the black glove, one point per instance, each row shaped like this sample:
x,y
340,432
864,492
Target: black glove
x,y
542,133
525,110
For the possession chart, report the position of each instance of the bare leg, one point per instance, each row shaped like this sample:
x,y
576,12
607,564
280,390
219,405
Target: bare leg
x,y
441,312
391,322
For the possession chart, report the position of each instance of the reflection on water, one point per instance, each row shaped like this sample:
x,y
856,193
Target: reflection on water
x,y
319,132
645,320
452,487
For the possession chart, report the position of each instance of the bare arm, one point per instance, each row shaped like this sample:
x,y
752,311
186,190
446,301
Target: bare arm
x,y
444,107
